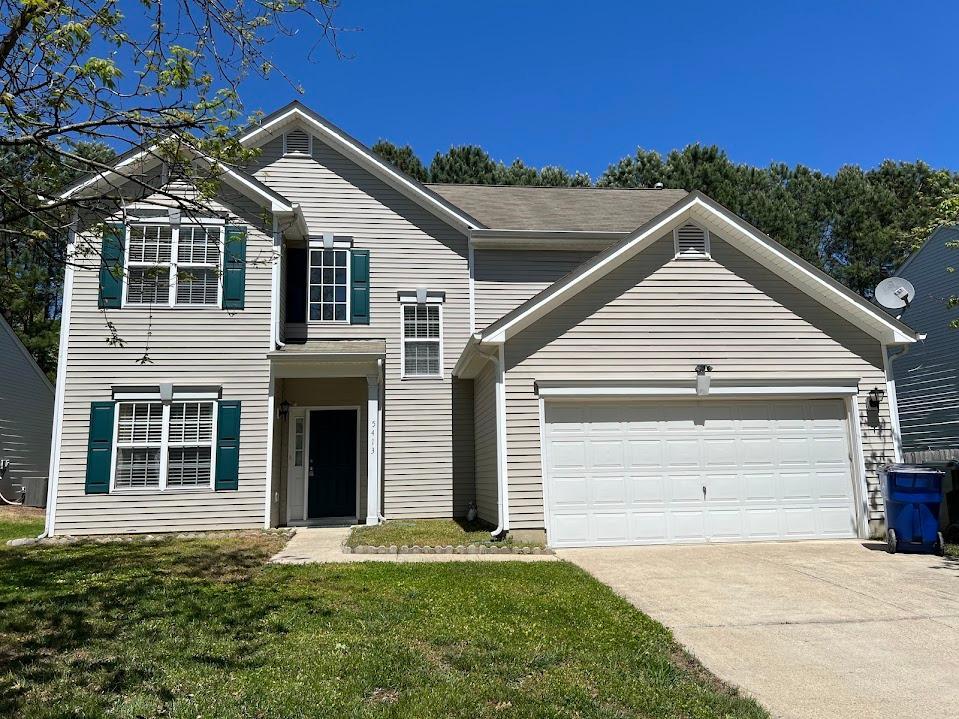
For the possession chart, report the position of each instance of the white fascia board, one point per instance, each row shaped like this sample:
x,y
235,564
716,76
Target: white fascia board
x,y
766,254
362,156
107,175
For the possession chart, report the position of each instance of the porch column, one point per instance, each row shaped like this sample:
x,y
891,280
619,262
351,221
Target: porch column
x,y
373,489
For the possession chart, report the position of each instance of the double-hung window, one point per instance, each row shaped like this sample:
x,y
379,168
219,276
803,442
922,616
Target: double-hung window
x,y
164,446
422,340
173,264
329,285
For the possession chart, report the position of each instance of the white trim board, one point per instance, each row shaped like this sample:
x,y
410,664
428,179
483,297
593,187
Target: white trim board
x,y
696,207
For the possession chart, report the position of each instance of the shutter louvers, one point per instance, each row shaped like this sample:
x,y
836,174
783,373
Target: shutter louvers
x,y
296,142
111,267
360,287
234,268
100,447
691,241
227,445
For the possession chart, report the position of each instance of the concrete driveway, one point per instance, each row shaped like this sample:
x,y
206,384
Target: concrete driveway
x,y
810,629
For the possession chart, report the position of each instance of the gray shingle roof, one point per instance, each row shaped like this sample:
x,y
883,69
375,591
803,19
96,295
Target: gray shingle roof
x,y
559,208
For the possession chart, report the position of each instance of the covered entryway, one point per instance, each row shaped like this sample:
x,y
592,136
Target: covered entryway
x,y
666,471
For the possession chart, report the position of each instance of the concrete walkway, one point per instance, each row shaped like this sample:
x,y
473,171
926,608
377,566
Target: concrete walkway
x,y
811,629
325,544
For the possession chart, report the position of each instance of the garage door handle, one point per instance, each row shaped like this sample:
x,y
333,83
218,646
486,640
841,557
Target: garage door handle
x,y
704,491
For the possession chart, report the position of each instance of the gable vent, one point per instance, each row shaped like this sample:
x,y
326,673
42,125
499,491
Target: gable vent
x,y
296,142
691,241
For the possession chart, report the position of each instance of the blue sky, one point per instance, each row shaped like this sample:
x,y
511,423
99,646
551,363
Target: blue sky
x,y
583,84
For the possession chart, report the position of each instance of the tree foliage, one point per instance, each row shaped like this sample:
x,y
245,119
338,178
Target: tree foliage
x,y
84,80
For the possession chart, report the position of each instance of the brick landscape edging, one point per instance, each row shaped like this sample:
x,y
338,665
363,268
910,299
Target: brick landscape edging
x,y
448,549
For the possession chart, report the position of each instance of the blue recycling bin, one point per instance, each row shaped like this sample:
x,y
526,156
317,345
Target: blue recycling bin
x,y
912,495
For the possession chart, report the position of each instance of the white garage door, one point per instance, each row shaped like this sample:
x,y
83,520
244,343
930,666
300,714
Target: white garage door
x,y
697,471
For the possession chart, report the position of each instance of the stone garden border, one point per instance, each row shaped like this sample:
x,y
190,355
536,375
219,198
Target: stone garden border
x,y
128,538
448,549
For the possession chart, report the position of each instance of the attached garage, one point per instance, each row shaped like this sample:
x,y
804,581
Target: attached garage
x,y
665,471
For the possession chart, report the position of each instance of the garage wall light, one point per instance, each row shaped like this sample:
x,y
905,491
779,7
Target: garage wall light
x,y
702,378
875,397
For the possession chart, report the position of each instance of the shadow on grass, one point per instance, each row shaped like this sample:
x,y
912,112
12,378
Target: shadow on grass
x,y
91,611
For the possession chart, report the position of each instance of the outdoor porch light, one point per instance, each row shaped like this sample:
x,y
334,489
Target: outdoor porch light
x,y
284,409
875,397
702,378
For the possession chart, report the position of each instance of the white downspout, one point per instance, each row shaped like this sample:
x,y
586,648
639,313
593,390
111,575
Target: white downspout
x,y
275,285
499,361
57,434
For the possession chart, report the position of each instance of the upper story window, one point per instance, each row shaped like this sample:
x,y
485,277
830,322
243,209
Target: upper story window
x,y
160,446
329,285
422,340
173,265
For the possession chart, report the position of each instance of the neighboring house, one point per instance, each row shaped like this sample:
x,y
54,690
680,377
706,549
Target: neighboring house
x,y
417,348
26,416
927,375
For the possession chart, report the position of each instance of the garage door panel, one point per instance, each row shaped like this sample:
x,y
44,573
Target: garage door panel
x,y
648,490
681,452
761,523
607,454
644,453
634,473
608,490
687,525
646,527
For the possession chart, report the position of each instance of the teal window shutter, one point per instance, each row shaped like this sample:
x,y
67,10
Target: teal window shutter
x,y
100,447
360,288
111,266
227,445
234,268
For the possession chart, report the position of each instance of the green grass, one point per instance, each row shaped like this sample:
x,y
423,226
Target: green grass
x,y
190,628
952,550
16,522
428,533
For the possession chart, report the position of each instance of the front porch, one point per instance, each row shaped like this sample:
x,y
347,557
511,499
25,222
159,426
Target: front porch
x,y
327,400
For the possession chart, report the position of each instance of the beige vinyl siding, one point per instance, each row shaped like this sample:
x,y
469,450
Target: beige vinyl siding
x,y
409,248
26,420
204,346
505,279
656,318
484,414
315,393
464,487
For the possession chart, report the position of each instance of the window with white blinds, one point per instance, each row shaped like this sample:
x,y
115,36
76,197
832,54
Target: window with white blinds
x,y
139,445
164,446
422,340
691,241
173,265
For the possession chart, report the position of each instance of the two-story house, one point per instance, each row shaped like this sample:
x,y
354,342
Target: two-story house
x,y
339,342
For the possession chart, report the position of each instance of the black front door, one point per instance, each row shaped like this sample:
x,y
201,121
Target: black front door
x,y
332,468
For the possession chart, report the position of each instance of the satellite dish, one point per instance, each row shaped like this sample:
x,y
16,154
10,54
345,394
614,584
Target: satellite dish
x,y
895,293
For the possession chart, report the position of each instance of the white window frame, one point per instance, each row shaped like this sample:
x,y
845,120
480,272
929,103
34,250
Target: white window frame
x,y
164,447
316,245
174,264
288,153
696,256
406,301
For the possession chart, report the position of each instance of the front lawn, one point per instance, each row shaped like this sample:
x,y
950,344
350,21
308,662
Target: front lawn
x,y
428,533
201,627
16,522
